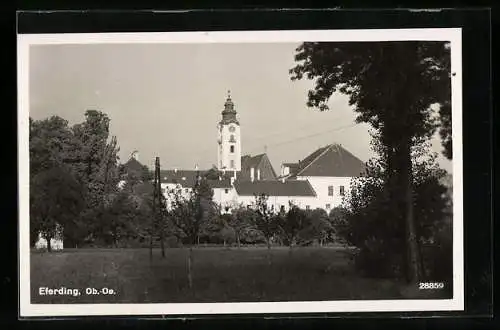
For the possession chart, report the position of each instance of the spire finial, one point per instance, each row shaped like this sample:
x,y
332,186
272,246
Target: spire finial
x,y
228,93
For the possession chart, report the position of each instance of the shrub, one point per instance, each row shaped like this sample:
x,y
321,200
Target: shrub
x,y
374,225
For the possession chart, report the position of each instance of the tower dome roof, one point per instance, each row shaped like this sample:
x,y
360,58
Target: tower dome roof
x,y
229,113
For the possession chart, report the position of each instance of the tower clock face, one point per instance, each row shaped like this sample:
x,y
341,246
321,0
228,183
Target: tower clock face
x,y
231,128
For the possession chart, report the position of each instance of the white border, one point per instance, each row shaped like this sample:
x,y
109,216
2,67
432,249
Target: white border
x,y
454,35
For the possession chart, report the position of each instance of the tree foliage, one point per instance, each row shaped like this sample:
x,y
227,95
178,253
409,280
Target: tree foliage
x,y
265,219
369,223
393,86
190,214
96,159
213,173
134,177
83,152
55,201
241,220
292,223
338,222
49,144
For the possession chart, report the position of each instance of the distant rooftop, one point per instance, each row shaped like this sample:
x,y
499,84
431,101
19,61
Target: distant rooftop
x,y
331,160
274,188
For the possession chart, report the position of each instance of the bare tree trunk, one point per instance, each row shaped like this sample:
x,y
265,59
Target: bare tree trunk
x,y
49,246
151,245
190,266
238,240
423,272
413,250
269,261
160,206
162,243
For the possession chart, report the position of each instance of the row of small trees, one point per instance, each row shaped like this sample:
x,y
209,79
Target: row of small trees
x,y
187,217
195,218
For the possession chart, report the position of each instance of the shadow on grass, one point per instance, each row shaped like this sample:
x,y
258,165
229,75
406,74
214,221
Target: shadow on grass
x,y
219,275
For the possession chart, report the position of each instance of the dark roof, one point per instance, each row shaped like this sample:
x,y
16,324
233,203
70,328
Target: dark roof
x,y
187,178
133,165
229,113
309,159
183,177
274,188
331,160
247,162
225,183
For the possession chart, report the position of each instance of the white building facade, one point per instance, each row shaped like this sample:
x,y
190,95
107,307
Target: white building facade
x,y
330,171
330,191
56,242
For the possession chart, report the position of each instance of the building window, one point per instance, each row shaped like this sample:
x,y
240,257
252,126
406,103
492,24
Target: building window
x,y
330,190
232,163
226,191
231,148
232,139
282,208
342,192
327,206
308,207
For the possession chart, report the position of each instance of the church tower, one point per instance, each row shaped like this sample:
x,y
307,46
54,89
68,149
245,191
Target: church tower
x,y
229,139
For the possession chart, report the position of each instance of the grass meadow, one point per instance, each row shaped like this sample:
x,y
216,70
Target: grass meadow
x,y
219,275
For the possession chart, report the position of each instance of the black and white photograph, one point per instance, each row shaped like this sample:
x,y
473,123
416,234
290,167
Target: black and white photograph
x,y
240,172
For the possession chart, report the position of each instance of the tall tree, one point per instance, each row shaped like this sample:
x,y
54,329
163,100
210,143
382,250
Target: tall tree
x,y
50,143
96,157
392,86
51,147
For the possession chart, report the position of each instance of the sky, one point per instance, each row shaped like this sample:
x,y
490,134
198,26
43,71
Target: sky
x,y
165,100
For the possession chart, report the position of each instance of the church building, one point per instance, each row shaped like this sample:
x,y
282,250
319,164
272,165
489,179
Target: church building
x,y
320,180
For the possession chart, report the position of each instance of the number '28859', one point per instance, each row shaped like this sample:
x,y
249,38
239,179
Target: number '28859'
x,y
430,285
